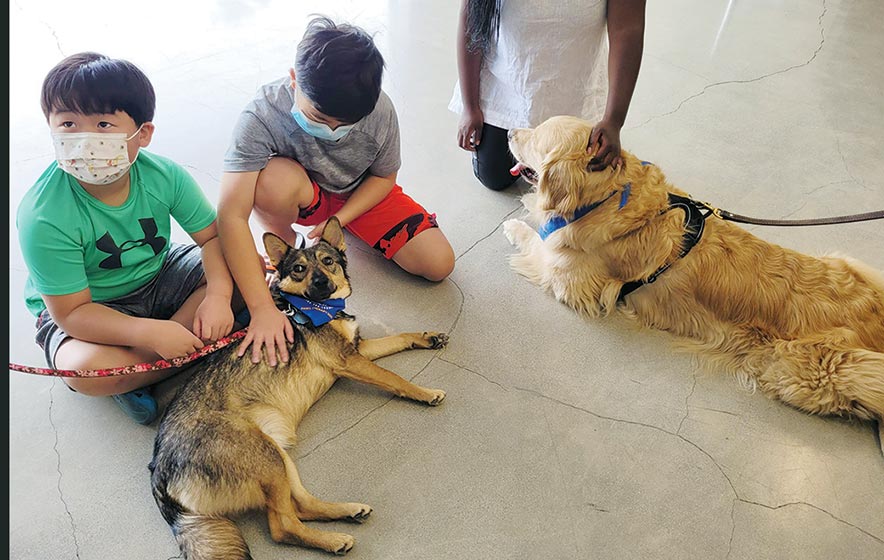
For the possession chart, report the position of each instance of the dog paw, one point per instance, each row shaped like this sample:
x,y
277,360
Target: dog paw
x,y
434,340
436,397
517,231
339,543
361,514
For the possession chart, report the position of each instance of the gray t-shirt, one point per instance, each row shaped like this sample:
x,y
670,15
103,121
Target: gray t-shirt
x,y
266,128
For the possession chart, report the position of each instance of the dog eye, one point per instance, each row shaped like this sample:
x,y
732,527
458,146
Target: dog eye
x,y
328,261
299,268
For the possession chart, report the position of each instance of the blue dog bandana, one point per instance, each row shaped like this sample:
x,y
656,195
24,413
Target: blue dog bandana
x,y
316,313
558,222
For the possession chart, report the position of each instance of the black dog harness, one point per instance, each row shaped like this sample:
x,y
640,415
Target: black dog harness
x,y
694,222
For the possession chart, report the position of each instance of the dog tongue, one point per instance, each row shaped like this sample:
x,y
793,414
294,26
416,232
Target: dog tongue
x,y
517,168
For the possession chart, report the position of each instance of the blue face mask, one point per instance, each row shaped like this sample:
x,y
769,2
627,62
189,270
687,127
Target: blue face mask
x,y
319,130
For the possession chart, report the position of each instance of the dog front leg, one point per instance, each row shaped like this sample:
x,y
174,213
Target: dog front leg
x,y
529,261
374,348
359,368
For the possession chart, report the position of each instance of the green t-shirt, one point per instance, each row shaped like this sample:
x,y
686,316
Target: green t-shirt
x,y
71,241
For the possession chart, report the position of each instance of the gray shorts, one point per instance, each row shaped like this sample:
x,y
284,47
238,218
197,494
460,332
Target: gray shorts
x,y
180,276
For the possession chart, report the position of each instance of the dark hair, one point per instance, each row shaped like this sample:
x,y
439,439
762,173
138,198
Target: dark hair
x,y
339,69
90,84
482,24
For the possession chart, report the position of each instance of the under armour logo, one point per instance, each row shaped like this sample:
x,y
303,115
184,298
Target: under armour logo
x,y
107,244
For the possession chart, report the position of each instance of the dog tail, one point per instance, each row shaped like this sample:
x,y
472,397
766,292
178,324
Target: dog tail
x,y
200,537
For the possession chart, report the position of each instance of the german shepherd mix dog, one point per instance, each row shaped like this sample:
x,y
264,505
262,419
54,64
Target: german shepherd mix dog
x,y
806,330
221,445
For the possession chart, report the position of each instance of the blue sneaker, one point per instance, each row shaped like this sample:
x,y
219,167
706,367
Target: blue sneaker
x,y
139,405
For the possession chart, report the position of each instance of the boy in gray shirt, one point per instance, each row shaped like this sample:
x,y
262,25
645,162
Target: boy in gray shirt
x,y
322,142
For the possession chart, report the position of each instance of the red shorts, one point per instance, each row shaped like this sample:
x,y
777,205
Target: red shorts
x,y
389,225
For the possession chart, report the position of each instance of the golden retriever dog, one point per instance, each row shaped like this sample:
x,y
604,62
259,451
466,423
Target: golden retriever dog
x,y
806,330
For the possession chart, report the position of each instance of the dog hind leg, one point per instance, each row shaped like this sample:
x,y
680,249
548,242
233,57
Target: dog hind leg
x,y
823,375
310,508
285,527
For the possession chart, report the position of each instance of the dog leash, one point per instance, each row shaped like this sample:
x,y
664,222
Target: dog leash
x,y
135,368
730,216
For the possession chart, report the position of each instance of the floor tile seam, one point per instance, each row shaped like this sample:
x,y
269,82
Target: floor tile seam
x,y
604,417
492,232
736,496
366,415
869,534
61,497
746,81
846,168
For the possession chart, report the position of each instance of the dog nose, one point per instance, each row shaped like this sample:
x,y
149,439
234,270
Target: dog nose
x,y
320,282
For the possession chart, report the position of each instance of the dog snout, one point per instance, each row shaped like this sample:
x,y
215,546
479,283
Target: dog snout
x,y
320,287
319,282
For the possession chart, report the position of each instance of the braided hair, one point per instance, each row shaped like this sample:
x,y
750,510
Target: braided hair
x,y
483,20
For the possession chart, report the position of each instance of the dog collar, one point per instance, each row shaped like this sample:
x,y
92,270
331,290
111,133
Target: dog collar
x,y
316,313
558,222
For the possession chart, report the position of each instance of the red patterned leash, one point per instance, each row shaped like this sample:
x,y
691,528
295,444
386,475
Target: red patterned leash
x,y
135,368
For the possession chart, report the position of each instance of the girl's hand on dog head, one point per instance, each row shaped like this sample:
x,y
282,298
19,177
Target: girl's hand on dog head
x,y
604,145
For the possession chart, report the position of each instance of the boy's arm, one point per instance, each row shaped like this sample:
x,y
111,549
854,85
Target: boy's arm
x,y
268,327
469,132
214,316
89,321
365,197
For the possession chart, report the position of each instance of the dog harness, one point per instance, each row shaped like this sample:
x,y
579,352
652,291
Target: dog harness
x,y
308,312
694,222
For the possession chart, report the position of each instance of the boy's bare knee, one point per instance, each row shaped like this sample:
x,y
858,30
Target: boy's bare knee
x,y
101,387
435,268
428,255
440,268
282,188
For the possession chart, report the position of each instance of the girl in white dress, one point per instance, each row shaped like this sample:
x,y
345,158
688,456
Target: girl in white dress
x,y
523,61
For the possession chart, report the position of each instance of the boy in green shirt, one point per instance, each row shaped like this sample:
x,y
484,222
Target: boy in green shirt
x,y
107,285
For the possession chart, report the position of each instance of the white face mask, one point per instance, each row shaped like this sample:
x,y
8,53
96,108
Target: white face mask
x,y
95,158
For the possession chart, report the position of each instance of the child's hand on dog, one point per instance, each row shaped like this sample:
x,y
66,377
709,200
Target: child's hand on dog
x,y
268,328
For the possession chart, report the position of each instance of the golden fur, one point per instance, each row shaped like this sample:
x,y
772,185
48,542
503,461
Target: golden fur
x,y
221,445
806,330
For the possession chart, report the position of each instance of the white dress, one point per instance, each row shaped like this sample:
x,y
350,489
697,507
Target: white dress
x,y
551,58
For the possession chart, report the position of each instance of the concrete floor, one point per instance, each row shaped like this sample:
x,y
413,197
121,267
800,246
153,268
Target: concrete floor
x,y
560,437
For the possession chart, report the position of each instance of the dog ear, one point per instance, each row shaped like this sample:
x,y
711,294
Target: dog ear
x,y
561,183
276,248
333,234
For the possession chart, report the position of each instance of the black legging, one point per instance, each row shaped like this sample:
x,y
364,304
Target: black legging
x,y
492,159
